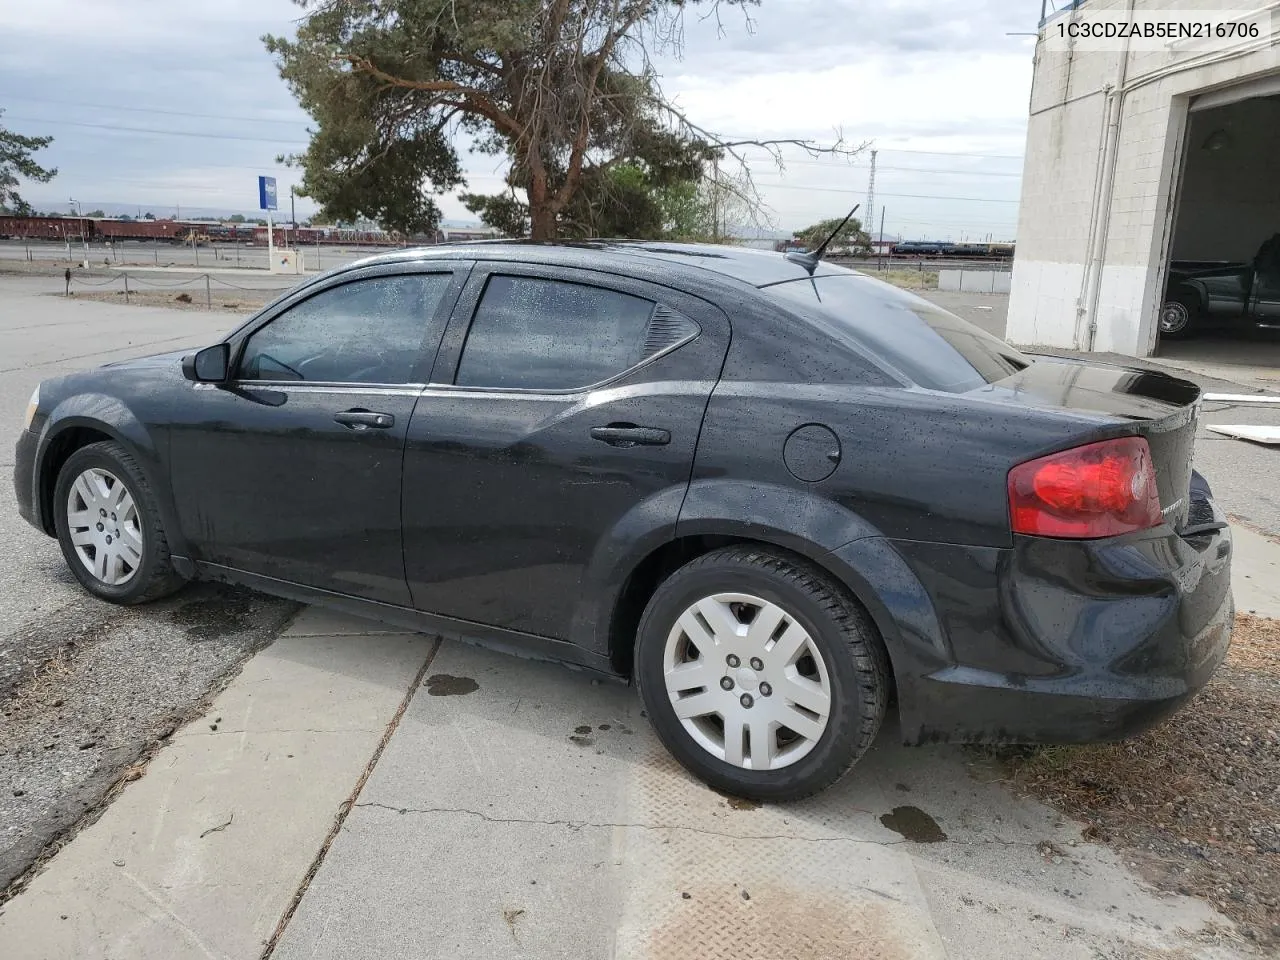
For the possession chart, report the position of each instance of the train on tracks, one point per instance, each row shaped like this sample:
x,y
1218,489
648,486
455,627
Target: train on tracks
x,y
106,230
947,250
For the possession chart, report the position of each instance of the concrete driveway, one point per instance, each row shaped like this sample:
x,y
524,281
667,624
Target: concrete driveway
x,y
357,792
369,794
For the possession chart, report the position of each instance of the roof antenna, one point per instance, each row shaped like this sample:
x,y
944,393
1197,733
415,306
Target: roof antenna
x,y
822,247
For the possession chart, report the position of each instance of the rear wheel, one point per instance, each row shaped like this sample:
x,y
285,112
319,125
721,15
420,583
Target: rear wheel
x,y
760,674
1178,316
108,526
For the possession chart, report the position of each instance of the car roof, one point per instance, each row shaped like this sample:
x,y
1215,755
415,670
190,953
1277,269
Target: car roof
x,y
758,268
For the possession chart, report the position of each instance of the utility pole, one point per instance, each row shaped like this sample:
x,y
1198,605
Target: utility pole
x,y
880,244
715,199
871,195
84,243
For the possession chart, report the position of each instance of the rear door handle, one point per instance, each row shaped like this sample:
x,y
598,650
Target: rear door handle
x,y
629,435
359,419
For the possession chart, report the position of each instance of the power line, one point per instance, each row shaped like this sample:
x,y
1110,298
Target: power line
x,y
227,136
958,223
906,196
168,113
930,153
836,165
243,119
955,153
161,133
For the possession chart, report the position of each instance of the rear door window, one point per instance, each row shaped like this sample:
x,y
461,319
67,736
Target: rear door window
x,y
538,334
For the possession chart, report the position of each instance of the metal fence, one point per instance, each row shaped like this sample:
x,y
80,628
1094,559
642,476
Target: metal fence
x,y
131,284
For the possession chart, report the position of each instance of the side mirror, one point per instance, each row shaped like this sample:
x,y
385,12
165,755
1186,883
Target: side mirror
x,y
210,365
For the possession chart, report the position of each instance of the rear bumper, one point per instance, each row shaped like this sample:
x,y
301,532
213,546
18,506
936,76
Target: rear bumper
x,y
964,705
1058,641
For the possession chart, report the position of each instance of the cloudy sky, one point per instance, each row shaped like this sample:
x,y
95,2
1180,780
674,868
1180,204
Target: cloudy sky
x,y
169,104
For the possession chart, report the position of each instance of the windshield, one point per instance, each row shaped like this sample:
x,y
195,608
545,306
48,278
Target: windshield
x,y
928,345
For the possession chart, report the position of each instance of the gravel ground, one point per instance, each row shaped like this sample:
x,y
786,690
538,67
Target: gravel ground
x,y
243,301
95,689
1194,803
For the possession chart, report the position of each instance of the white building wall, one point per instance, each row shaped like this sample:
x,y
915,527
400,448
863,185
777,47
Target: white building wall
x,y
1065,214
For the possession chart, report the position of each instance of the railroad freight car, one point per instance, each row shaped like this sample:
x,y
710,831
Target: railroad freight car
x,y
46,228
137,229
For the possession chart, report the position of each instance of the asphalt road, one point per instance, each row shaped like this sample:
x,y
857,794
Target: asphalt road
x,y
86,687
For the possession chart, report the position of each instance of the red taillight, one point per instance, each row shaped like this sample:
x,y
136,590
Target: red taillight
x,y
1098,490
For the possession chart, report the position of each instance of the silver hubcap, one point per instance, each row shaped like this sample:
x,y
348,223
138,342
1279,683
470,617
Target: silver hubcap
x,y
1173,317
103,522
747,681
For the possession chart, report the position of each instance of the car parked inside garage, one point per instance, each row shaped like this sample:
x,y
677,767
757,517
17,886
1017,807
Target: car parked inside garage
x,y
774,493
1223,296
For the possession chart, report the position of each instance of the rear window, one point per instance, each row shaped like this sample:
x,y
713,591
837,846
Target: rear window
x,y
929,346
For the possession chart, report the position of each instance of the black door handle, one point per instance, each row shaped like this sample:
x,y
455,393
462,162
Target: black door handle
x,y
364,419
629,435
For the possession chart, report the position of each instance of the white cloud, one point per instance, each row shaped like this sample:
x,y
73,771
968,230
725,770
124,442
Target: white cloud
x,y
908,74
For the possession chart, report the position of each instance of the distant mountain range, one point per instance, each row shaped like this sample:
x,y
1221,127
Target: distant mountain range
x,y
743,232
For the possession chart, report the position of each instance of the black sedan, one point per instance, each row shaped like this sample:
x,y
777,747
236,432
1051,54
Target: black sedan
x,y
1223,296
774,493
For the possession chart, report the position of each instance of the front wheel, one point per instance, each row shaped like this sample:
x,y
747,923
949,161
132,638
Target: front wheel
x,y
760,674
108,526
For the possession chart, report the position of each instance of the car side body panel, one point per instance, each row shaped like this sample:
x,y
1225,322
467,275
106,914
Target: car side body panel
x,y
133,414
526,645
892,455
508,493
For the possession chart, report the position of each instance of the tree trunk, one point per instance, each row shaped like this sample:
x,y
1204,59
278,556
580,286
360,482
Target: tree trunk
x,y
542,211
542,221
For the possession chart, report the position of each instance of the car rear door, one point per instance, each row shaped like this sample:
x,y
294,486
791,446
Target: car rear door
x,y
292,469
564,403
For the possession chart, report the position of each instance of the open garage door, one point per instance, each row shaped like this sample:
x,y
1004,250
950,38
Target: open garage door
x,y
1221,298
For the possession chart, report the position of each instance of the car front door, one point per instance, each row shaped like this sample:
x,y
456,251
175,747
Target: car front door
x,y
292,469
563,403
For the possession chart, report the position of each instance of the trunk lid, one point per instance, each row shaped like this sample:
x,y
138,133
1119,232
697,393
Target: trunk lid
x,y
1162,408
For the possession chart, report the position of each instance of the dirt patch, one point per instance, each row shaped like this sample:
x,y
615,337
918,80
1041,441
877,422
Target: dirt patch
x,y
243,301
1195,803
205,618
907,279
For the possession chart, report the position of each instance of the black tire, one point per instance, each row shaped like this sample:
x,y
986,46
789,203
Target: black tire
x,y
154,576
1184,305
850,645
